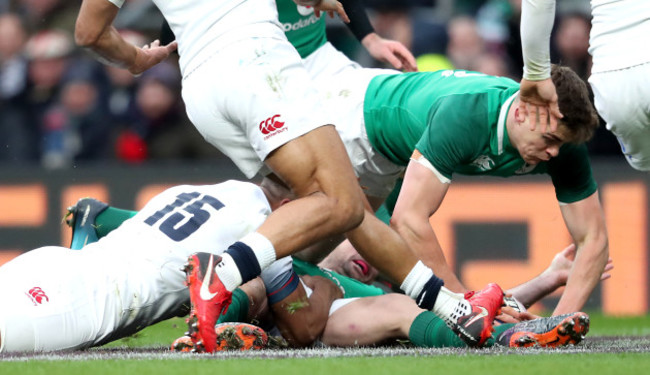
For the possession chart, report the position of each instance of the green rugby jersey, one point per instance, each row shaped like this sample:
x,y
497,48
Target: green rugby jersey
x,y
303,29
456,119
351,287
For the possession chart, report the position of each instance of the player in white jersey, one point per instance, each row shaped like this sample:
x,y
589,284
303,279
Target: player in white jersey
x,y
55,298
620,74
247,93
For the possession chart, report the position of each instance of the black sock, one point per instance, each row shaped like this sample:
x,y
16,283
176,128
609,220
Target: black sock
x,y
427,297
245,260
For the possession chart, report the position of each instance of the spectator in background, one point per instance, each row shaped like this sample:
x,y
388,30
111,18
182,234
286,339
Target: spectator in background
x,y
122,107
16,135
572,40
465,44
47,14
161,130
498,23
77,127
49,53
492,64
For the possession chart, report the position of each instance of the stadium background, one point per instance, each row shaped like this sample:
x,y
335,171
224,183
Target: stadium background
x,y
71,128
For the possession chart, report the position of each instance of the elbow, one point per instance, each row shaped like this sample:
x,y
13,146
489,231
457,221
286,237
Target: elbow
x,y
306,333
304,337
85,40
86,37
396,221
309,335
404,224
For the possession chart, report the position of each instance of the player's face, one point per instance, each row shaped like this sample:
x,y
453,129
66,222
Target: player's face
x,y
348,262
536,147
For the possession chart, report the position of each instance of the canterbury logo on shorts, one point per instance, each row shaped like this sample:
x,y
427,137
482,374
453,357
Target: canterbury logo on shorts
x,y
37,295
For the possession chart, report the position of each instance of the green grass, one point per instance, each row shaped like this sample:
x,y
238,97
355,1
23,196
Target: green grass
x,y
592,364
619,326
459,362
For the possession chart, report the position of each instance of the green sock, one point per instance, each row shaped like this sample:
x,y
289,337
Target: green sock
x,y
110,219
238,309
429,331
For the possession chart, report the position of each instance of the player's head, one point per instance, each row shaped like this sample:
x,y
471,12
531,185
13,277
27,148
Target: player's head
x,y
276,192
345,259
577,126
580,118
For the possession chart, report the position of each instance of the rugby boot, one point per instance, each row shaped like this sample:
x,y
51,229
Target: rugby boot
x,y
551,332
209,299
81,218
240,336
182,344
476,327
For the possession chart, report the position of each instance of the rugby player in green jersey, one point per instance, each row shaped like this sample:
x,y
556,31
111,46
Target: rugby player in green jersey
x,y
430,126
307,34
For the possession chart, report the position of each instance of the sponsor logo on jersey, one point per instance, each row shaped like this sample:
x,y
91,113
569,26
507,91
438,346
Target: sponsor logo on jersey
x,y
302,23
525,169
272,126
37,295
483,162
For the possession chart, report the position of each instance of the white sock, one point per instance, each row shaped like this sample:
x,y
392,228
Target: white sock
x,y
228,272
262,248
450,306
415,280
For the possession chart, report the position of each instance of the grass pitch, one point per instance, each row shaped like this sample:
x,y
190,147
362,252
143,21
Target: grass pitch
x,y
613,346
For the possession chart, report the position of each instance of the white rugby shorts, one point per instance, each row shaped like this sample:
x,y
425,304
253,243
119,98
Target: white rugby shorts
x,y
252,97
622,98
345,95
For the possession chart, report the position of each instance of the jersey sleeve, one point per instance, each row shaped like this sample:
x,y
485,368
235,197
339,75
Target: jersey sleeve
x,y
537,18
571,174
456,132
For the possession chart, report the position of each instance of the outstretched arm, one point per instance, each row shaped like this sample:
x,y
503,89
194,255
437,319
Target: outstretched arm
x,y
552,278
385,50
94,30
537,91
390,51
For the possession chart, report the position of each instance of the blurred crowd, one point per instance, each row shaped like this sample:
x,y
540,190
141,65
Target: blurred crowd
x,y
59,107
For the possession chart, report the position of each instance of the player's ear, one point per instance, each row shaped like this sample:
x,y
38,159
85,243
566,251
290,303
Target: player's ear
x,y
284,201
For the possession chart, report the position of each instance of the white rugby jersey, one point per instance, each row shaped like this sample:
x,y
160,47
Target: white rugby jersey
x,y
201,26
127,280
619,34
150,249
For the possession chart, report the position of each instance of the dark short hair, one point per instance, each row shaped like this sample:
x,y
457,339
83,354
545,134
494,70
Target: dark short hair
x,y
580,116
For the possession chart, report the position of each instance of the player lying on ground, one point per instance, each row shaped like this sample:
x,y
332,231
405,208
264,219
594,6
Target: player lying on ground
x,y
92,220
331,309
102,219
54,298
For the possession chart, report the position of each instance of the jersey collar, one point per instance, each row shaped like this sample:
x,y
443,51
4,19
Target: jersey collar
x,y
501,123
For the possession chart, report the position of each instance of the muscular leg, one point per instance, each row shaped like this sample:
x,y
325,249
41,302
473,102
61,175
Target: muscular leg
x,y
317,169
392,315
383,247
395,316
